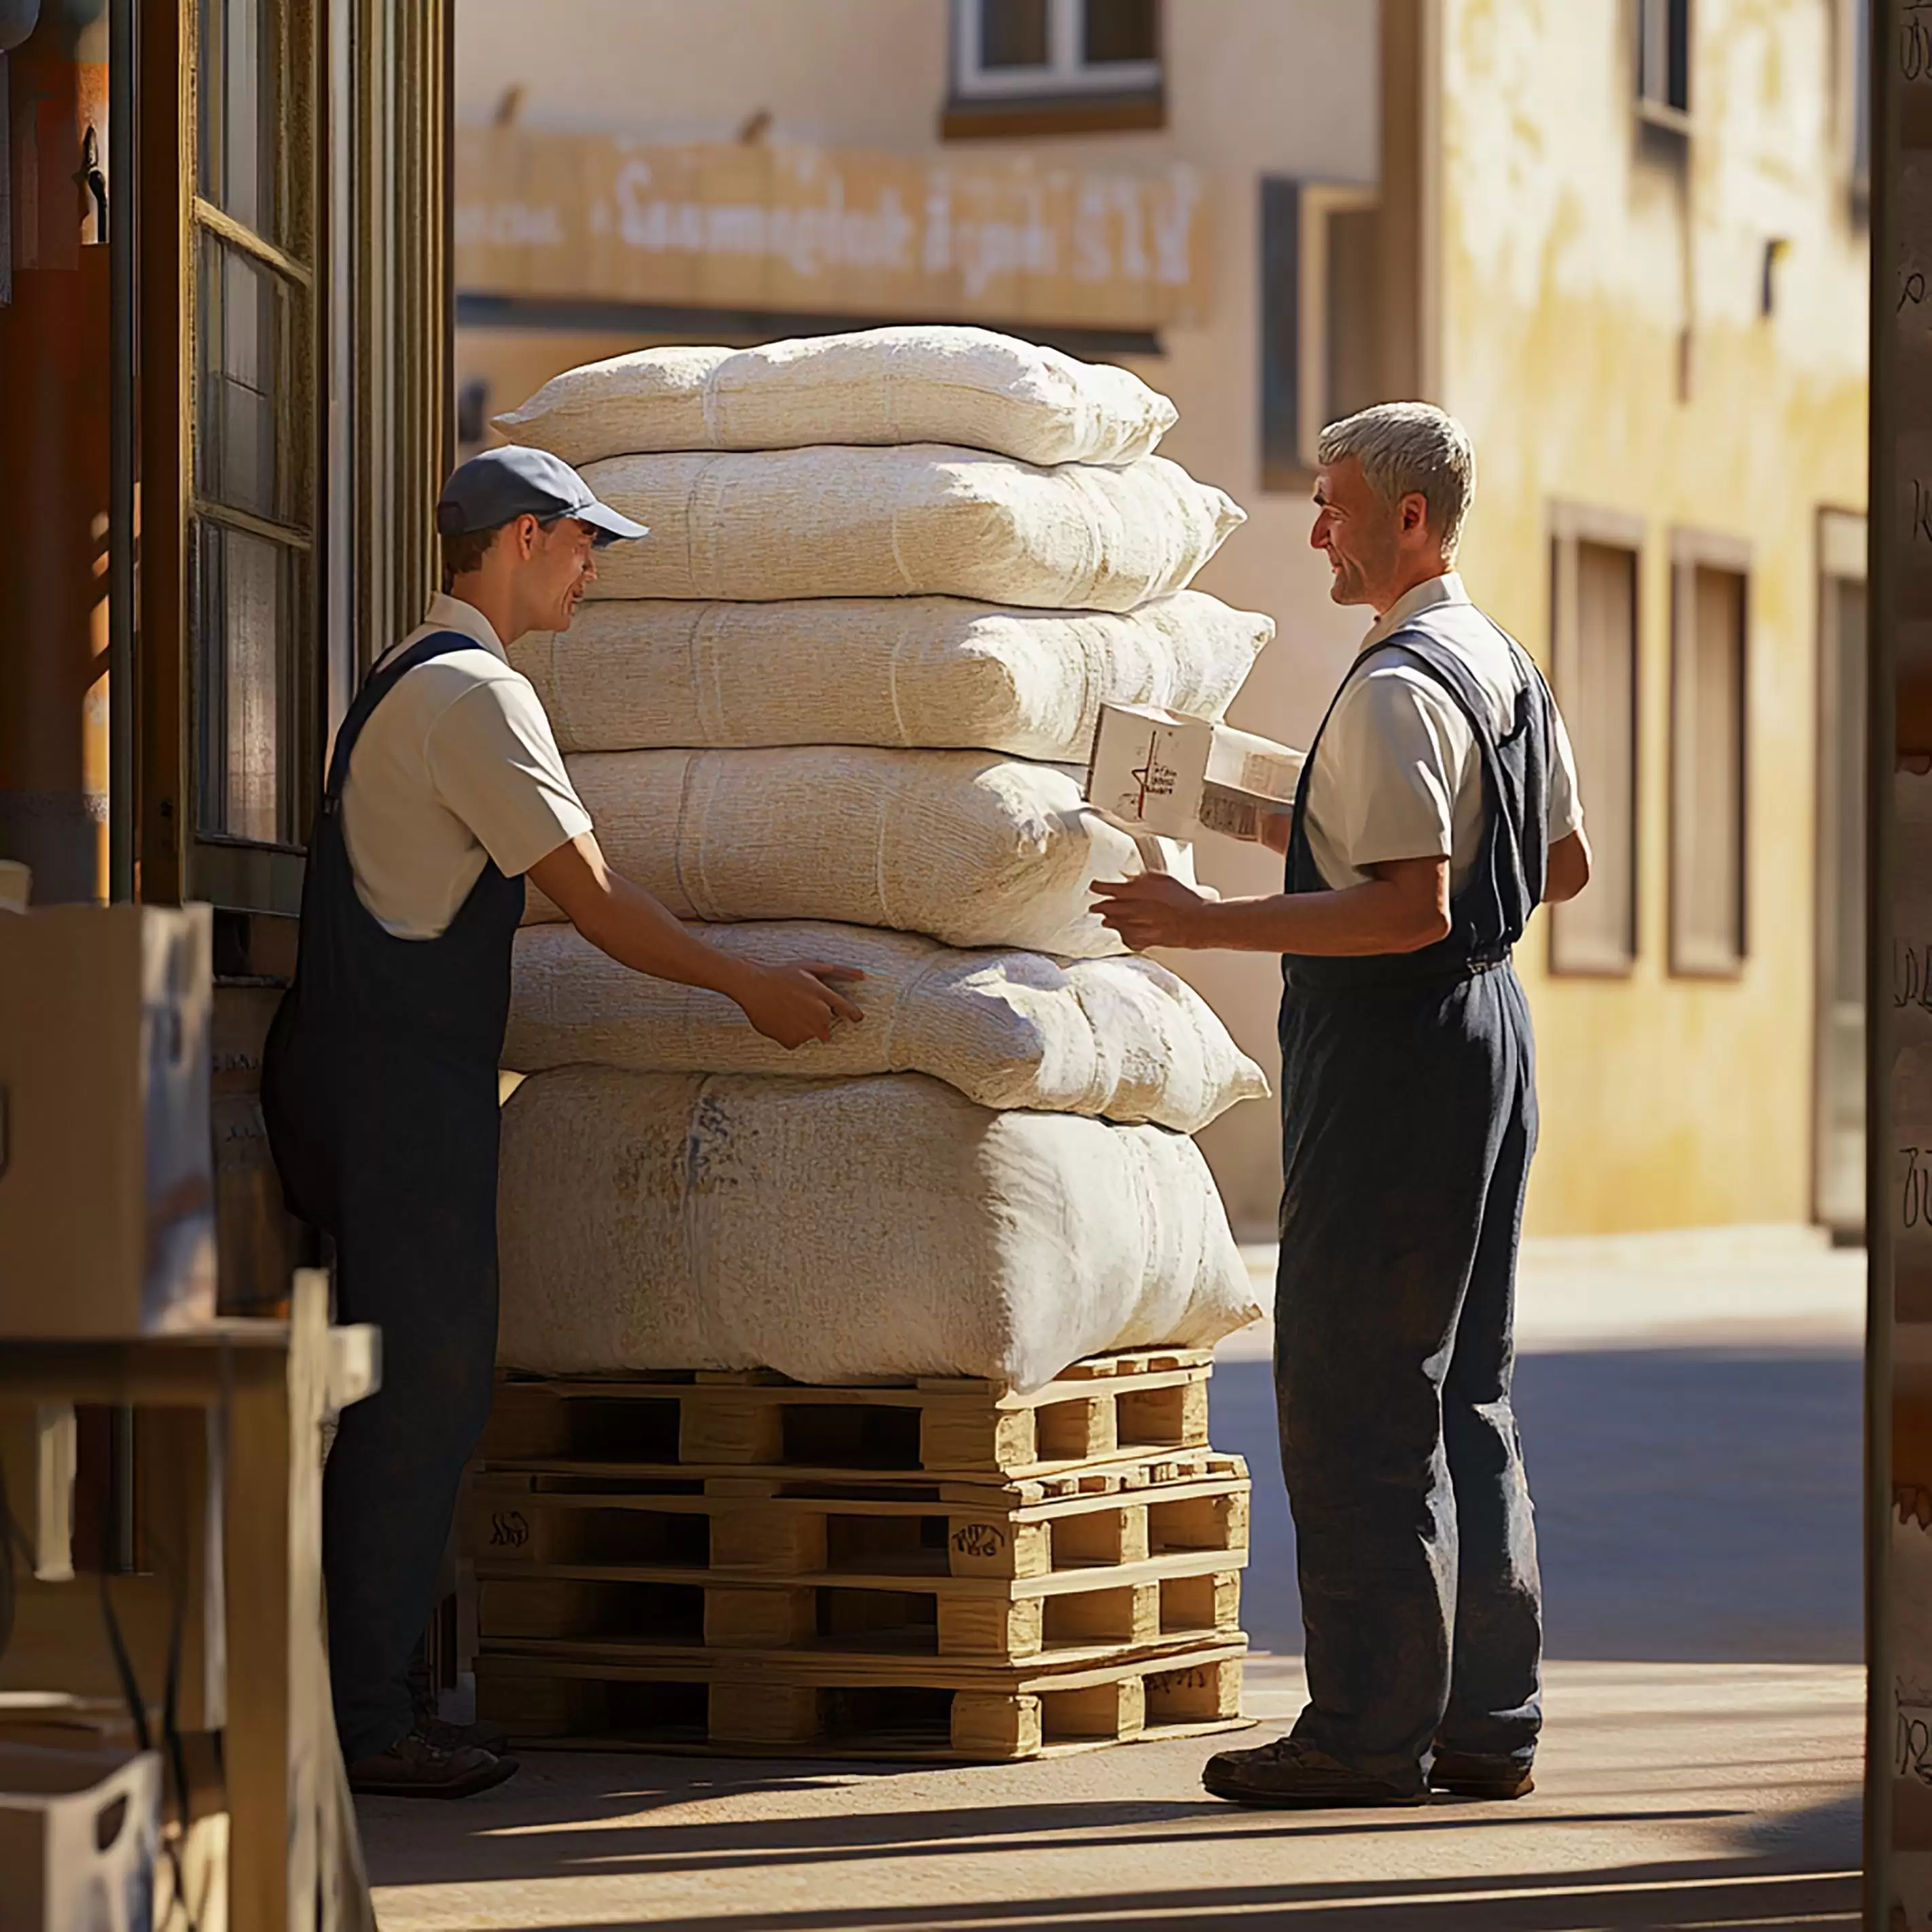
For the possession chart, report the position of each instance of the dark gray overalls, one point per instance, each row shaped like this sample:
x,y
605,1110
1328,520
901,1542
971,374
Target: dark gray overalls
x,y
1409,1118
379,1089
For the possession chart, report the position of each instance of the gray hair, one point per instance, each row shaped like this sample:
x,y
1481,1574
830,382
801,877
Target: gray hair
x,y
1411,448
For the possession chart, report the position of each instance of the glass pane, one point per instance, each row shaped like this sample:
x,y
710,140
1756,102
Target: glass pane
x,y
247,652
237,83
1120,30
1597,932
1349,328
1013,33
1663,52
245,319
1708,842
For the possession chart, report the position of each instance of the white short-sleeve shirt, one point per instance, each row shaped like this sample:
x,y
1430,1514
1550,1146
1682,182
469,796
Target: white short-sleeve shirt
x,y
1398,773
457,765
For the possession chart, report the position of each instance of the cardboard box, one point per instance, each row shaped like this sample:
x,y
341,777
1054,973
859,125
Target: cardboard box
x,y
1156,771
106,1178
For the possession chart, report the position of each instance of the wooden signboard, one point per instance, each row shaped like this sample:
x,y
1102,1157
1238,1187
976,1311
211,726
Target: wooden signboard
x,y
808,230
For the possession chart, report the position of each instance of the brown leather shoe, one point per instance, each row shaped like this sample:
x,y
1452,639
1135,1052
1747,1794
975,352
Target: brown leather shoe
x,y
447,1736
1468,1775
412,1767
1294,1776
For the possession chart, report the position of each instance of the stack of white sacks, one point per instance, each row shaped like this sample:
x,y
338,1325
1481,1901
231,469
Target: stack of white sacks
x,y
836,707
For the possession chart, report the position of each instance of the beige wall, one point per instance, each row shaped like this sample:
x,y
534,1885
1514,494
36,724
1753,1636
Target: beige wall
x,y
1569,268
1254,87
1572,266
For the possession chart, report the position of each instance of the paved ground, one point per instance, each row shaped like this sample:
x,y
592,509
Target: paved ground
x,y
1671,1795
1690,1407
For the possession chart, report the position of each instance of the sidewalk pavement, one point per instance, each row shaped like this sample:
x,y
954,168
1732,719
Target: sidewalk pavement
x,y
1668,1796
1690,1406
1734,1288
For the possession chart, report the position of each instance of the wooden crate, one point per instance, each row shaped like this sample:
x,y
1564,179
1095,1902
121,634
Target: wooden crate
x,y
1109,1407
832,1707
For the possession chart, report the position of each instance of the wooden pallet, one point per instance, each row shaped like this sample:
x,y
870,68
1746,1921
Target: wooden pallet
x,y
827,1707
1106,1408
872,1569
1087,1573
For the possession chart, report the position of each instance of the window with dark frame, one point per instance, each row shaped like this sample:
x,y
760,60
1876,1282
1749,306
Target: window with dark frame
x,y
1320,344
252,612
1664,56
1663,59
1594,654
1709,742
1009,54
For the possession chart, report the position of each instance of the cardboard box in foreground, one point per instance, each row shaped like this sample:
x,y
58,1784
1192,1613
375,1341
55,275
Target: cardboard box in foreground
x,y
107,1182
1158,772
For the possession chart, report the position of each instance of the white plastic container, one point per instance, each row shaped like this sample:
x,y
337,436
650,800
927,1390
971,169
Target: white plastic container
x,y
78,1834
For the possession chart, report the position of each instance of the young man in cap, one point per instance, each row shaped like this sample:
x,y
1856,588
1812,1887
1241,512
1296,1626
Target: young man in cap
x,y
1438,806
446,790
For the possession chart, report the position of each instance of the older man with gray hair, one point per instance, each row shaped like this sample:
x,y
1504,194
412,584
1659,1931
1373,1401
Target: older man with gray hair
x,y
1437,807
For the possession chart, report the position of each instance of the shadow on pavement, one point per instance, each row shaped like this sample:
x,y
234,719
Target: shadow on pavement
x,y
1693,1505
535,1839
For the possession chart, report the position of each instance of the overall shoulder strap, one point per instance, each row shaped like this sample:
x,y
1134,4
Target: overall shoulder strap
x,y
1443,666
375,687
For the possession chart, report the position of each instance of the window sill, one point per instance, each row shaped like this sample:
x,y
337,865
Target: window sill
x,y
1283,478
1023,116
1664,118
1615,972
1714,972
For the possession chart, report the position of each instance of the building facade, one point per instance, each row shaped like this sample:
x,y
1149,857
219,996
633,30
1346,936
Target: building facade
x,y
1623,239
1642,258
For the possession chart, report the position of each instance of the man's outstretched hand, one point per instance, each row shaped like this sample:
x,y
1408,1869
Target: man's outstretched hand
x,y
799,1001
1153,909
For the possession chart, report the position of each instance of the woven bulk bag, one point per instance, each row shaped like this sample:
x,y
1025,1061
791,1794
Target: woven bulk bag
x,y
972,848
636,673
922,383
836,1230
927,520
1123,1038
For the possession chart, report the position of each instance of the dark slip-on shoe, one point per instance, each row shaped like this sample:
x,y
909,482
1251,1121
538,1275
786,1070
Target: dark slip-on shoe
x,y
412,1767
1294,1776
1467,1775
447,1736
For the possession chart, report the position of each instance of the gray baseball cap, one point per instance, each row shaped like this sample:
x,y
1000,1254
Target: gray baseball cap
x,y
499,484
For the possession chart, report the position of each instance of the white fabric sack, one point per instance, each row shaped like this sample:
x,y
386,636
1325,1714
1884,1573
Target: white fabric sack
x,y
920,383
972,848
1123,1038
927,520
838,1230
634,674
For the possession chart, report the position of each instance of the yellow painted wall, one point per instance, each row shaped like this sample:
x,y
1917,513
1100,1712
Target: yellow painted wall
x,y
1575,255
